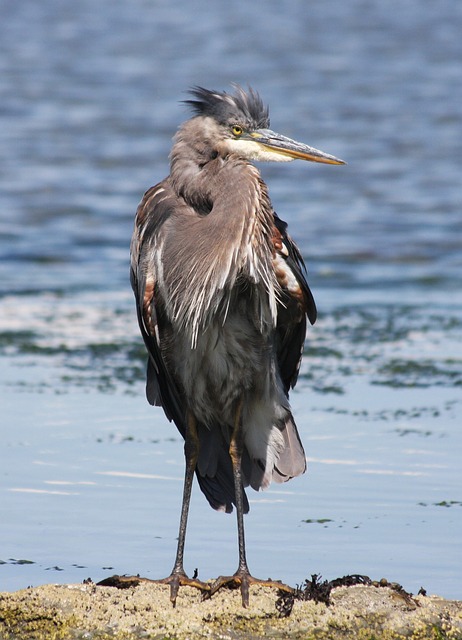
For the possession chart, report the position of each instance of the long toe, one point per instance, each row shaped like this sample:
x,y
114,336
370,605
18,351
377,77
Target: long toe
x,y
175,580
243,580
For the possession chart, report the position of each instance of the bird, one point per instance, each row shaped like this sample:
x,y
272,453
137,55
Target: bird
x,y
222,303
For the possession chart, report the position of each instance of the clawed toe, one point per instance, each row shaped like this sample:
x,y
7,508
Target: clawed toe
x,y
243,580
177,580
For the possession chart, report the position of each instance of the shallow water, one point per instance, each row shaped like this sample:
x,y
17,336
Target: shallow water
x,y
90,478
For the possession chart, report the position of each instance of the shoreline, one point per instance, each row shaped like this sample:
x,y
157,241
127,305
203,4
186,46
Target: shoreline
x,y
78,611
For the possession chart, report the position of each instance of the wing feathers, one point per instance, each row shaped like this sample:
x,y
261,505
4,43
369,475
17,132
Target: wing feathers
x,y
292,461
279,454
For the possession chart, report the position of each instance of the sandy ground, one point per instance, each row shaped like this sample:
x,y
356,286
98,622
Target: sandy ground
x,y
93,612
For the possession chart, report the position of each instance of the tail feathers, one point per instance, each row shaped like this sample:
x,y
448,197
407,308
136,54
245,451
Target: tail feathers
x,y
214,470
274,447
292,460
218,493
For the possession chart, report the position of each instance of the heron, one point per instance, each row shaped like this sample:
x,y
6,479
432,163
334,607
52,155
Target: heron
x,y
223,304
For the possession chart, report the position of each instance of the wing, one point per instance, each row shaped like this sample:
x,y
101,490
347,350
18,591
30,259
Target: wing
x,y
295,306
154,210
155,213
297,303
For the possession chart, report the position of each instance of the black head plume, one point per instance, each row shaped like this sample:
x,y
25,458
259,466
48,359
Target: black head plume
x,y
241,107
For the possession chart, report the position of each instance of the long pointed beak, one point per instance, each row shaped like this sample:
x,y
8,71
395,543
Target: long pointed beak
x,y
279,144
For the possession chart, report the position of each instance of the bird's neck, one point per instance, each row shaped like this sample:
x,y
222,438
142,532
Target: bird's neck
x,y
190,168
232,234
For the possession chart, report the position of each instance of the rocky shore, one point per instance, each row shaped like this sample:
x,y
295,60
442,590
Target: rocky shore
x,y
92,612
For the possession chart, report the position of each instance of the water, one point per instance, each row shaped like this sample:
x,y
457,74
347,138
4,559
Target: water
x,y
90,477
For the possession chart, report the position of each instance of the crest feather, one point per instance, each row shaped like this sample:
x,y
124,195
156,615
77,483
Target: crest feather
x,y
226,108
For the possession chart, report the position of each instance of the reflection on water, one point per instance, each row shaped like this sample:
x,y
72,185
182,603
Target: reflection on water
x,y
91,475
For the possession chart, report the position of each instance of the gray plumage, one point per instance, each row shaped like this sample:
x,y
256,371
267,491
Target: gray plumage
x,y
221,295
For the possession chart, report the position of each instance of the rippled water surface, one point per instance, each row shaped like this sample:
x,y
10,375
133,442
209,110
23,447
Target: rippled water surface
x,y
90,475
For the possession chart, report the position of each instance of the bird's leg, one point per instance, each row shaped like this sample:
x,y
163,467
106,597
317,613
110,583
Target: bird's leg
x,y
242,578
178,576
235,452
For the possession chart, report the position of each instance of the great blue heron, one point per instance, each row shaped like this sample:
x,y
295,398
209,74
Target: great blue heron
x,y
222,305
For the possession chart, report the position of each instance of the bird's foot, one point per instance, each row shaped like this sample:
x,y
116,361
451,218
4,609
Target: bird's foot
x,y
176,580
243,579
179,579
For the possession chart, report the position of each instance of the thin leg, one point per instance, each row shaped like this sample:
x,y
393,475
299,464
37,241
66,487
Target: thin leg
x,y
178,576
191,451
242,577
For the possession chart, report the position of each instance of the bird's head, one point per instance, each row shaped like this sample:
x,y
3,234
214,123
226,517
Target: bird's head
x,y
238,124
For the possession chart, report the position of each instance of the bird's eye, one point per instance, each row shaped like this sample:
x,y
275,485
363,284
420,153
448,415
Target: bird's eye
x,y
237,130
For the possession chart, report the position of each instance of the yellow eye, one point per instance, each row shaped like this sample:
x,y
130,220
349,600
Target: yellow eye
x,y
237,130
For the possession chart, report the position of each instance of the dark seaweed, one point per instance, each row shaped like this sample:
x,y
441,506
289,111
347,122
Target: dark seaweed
x,y
319,591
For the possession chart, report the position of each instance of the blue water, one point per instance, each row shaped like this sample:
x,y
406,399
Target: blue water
x,y
90,475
